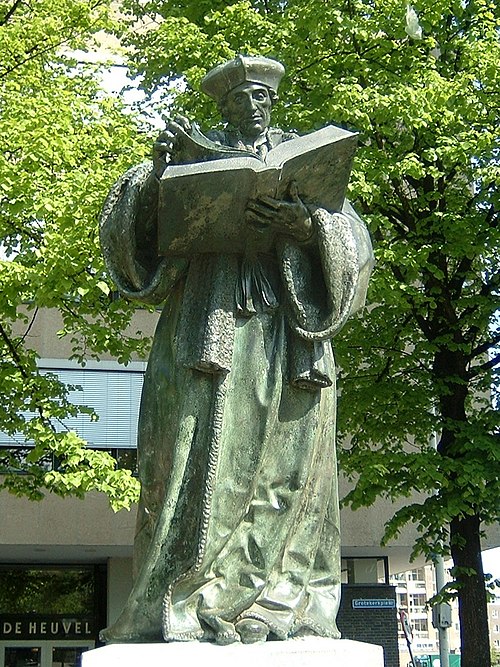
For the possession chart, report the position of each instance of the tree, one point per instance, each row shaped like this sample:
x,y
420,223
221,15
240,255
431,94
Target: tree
x,y
421,86
63,143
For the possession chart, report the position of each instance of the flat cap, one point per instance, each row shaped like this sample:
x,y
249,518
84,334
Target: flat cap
x,y
254,69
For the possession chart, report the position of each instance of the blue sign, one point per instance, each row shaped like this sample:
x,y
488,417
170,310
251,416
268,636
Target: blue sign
x,y
374,603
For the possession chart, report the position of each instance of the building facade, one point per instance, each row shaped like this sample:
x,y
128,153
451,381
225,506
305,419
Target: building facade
x,y
66,564
414,589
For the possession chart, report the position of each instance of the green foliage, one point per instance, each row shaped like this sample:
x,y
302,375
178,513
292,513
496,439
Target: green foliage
x,y
417,367
421,86
63,143
59,591
420,368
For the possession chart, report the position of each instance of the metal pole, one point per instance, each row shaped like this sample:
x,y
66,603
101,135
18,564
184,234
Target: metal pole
x,y
444,647
408,633
410,651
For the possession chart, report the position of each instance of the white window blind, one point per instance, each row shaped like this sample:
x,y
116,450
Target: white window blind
x,y
113,395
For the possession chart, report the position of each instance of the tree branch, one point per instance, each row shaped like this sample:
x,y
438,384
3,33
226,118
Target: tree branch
x,y
484,347
28,328
15,355
313,62
424,325
10,13
34,53
33,234
477,370
459,275
486,290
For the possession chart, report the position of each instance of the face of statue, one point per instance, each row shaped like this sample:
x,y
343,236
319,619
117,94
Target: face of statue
x,y
248,108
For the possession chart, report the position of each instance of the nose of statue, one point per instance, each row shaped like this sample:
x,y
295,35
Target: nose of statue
x,y
251,103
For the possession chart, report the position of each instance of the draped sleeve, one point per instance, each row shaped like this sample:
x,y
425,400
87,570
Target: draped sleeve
x,y
326,282
128,232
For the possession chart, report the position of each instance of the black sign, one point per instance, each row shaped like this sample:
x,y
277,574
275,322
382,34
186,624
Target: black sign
x,y
46,627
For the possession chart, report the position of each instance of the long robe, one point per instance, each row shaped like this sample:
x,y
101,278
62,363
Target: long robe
x,y
238,516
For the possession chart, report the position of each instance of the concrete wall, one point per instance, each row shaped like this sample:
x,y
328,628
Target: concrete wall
x,y
41,332
58,530
119,585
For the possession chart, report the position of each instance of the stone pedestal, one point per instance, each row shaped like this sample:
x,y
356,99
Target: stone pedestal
x,y
314,651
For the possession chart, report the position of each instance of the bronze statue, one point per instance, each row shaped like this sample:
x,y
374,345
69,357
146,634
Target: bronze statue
x,y
238,523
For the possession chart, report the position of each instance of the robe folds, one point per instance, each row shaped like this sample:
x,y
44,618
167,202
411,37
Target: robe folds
x,y
238,516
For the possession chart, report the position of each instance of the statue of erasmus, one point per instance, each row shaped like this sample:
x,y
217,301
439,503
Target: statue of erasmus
x,y
237,533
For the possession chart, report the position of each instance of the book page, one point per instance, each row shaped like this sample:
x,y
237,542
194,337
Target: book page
x,y
320,164
202,205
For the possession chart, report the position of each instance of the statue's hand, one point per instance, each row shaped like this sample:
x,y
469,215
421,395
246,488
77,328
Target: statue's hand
x,y
169,144
285,217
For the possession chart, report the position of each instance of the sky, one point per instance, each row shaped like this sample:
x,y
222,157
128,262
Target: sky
x,y
114,80
491,563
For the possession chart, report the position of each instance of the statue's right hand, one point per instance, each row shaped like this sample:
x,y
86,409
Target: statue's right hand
x,y
163,148
169,144
180,124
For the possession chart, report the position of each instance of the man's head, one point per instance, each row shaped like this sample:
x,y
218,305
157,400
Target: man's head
x,y
248,108
245,90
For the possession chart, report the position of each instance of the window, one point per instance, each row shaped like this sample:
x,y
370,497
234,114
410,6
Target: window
x,y
114,395
25,656
494,613
47,590
417,601
402,600
420,626
65,656
365,570
42,602
13,459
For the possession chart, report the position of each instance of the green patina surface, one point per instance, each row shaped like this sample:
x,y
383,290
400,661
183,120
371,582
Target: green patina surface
x,y
238,524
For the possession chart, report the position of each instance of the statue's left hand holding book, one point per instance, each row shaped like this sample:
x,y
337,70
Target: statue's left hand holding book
x,y
204,195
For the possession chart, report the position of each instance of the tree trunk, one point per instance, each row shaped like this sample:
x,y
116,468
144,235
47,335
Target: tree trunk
x,y
465,539
472,599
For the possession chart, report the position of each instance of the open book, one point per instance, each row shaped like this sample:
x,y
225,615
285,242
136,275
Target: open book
x,y
202,204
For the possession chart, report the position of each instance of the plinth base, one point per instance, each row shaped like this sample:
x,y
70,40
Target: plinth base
x,y
314,651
